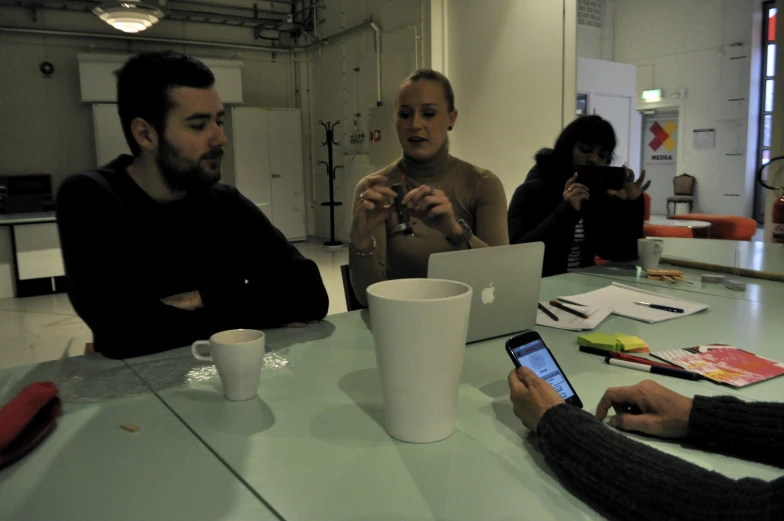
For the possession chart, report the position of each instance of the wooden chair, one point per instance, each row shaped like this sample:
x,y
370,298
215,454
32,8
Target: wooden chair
x,y
683,186
352,303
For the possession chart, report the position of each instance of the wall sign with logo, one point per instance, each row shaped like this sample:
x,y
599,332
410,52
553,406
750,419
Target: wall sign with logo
x,y
662,147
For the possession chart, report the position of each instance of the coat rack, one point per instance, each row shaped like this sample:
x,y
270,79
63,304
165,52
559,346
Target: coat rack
x,y
330,127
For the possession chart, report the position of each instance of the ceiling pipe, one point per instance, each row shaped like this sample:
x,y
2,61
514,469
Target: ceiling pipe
x,y
289,3
195,43
351,30
136,37
89,4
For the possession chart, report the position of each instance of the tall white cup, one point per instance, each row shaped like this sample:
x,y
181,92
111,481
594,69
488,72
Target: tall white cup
x,y
238,355
650,251
419,327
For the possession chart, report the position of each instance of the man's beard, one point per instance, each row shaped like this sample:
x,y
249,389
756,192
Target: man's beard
x,y
181,176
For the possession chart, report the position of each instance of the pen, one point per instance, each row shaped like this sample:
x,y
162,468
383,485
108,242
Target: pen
x,y
659,306
569,302
665,371
548,312
623,356
568,309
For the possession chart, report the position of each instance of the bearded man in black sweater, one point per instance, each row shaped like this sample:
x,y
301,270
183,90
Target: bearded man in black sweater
x,y
157,253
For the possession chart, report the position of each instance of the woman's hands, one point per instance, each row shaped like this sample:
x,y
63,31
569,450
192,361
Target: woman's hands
x,y
575,193
375,206
433,208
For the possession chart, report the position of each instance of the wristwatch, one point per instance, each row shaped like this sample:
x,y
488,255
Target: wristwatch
x,y
462,238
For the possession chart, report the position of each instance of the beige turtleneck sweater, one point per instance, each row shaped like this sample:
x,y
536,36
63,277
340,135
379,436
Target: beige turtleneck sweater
x,y
477,197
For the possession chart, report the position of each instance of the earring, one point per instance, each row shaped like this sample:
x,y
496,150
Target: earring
x,y
450,127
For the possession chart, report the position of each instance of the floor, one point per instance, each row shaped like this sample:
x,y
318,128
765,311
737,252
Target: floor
x,y
37,329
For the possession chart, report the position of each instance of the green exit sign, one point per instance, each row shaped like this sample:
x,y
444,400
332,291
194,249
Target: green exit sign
x,y
651,95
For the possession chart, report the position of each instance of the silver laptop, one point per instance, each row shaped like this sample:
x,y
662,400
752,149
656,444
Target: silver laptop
x,y
505,280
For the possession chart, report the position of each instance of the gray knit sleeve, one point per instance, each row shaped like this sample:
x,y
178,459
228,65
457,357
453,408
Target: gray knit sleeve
x,y
634,481
752,430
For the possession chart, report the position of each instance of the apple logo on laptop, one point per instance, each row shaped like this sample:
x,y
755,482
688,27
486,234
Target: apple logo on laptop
x,y
488,294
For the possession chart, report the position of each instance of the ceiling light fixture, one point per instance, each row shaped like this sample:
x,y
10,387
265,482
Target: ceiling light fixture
x,y
129,16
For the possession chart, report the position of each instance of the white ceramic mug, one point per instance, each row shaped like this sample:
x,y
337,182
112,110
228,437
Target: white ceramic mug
x,y
419,328
238,355
650,252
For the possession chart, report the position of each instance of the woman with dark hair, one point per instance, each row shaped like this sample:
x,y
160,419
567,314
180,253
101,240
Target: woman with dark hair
x,y
454,205
552,206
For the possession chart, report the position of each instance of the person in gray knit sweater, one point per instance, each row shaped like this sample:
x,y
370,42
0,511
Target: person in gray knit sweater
x,y
601,463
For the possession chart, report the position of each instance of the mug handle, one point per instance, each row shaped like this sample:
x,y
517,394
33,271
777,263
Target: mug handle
x,y
195,351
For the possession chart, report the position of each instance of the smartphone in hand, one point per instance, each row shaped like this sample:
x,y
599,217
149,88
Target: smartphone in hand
x,y
528,349
599,179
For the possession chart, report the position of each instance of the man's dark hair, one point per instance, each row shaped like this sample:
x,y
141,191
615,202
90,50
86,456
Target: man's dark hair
x,y
590,130
143,85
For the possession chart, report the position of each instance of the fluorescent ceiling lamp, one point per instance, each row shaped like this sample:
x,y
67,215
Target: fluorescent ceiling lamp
x,y
129,16
651,95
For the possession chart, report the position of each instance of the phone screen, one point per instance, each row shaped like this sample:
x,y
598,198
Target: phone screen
x,y
537,358
600,178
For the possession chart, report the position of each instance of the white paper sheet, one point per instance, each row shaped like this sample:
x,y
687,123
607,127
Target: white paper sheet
x,y
571,322
621,298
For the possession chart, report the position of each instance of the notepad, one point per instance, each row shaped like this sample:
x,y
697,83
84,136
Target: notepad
x,y
621,298
723,364
571,322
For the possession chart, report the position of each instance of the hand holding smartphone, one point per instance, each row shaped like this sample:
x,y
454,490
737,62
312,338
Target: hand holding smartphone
x,y
528,349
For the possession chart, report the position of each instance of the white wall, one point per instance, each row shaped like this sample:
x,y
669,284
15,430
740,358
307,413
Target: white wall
x,y
703,46
512,77
589,42
334,97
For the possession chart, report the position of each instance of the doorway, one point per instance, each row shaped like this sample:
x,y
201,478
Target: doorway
x,y
660,154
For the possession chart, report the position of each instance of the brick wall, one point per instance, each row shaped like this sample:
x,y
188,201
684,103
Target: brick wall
x,y
589,13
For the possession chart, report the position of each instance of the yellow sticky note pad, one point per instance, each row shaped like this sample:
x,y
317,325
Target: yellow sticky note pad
x,y
613,342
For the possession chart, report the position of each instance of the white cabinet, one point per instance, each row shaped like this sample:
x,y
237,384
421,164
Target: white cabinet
x,y
611,89
618,111
99,84
109,138
38,252
268,166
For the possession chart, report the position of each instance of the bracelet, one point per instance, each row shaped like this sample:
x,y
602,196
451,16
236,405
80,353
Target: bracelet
x,y
373,244
462,238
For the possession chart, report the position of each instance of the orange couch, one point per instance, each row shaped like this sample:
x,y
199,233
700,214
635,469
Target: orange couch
x,y
733,227
657,230
647,199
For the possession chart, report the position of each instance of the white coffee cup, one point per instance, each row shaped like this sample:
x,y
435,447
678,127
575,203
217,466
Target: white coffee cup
x,y
419,328
650,252
238,355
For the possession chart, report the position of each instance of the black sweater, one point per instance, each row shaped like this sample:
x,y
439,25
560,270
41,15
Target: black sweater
x,y
124,252
538,212
634,481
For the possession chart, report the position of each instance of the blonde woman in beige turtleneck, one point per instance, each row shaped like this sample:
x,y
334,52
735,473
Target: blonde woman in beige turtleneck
x,y
454,205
